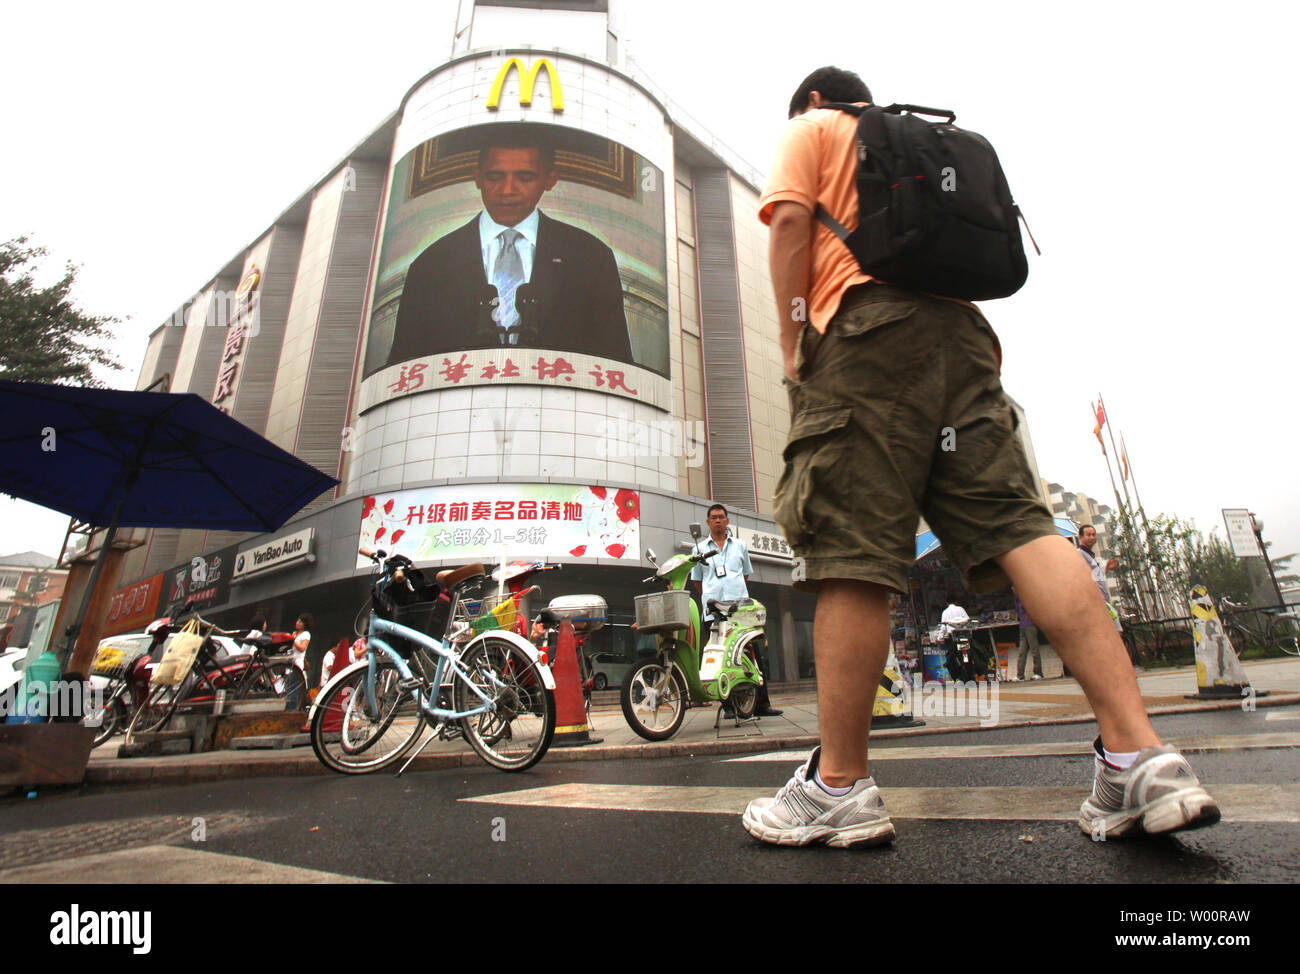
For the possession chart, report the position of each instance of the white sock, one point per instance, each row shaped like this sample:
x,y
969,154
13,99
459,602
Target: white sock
x,y
1122,760
829,789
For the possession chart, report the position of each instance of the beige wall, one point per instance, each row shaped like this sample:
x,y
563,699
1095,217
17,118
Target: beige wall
x,y
688,376
769,407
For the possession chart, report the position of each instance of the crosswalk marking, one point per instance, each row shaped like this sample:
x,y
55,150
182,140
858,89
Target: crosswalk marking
x,y
167,864
1240,803
1219,742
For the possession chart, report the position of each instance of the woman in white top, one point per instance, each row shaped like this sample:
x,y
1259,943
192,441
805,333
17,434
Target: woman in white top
x,y
301,640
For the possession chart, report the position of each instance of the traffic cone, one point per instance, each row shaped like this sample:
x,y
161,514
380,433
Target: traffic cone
x,y
571,727
890,709
1219,673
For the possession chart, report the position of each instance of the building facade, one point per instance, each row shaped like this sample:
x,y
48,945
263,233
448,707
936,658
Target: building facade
x,y
574,391
1083,509
29,581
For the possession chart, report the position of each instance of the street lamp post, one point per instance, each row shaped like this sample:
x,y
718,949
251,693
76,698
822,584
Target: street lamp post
x,y
1257,526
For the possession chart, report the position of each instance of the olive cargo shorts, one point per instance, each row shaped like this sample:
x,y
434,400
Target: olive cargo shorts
x,y
899,412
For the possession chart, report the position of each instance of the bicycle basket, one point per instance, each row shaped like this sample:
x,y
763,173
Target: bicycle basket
x,y
429,617
662,611
489,612
112,661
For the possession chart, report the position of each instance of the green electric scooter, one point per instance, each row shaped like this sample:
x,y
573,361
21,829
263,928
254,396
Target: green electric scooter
x,y
656,691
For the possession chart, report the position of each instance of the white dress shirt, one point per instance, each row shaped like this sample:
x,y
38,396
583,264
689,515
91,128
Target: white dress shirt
x,y
526,246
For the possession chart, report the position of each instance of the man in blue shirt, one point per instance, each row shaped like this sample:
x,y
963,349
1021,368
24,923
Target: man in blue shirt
x,y
723,577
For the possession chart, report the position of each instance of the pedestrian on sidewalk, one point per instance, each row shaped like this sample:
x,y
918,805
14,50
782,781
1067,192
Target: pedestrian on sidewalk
x,y
723,577
1087,540
1028,642
301,641
881,379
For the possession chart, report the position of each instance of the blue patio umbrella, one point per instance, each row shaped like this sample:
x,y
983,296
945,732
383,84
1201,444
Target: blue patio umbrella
x,y
113,458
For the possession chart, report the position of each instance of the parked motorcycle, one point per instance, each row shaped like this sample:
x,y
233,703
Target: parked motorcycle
x,y
267,672
964,661
655,692
110,677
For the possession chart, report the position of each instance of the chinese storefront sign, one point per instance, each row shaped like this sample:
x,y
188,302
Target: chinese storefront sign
x,y
133,607
239,329
761,543
203,581
482,521
516,366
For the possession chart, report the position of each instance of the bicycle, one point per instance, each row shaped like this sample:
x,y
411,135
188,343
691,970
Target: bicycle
x,y
1278,630
255,676
493,684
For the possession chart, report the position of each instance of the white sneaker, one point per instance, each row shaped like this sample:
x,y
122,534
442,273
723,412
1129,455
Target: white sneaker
x,y
802,813
1158,793
1035,677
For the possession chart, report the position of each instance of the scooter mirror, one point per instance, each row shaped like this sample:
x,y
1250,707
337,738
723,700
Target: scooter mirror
x,y
696,533
650,556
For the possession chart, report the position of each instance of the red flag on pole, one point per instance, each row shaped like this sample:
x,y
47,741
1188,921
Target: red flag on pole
x,y
1096,430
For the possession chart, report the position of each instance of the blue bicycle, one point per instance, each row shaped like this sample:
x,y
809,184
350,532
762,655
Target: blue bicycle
x,y
495,686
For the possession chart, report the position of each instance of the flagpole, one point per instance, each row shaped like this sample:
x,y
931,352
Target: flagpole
x,y
1146,521
1141,539
1111,433
1109,473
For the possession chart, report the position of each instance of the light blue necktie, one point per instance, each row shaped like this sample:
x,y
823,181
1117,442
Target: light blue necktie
x,y
507,276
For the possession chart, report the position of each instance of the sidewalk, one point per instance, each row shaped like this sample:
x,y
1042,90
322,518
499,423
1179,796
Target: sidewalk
x,y
1058,701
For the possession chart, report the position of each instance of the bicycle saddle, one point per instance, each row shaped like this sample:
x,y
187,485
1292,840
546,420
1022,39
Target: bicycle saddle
x,y
451,577
728,606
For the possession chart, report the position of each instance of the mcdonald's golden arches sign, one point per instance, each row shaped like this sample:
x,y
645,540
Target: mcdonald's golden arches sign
x,y
527,78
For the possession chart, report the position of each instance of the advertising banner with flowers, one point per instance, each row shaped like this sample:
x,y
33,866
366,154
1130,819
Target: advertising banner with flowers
x,y
480,522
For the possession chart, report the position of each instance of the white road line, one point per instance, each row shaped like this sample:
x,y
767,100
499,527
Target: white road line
x,y
168,864
1240,803
1281,715
1219,742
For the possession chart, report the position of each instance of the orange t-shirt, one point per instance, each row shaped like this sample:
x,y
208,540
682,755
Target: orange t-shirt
x,y
816,162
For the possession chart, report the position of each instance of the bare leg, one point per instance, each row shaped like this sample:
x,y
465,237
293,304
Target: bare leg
x,y
851,644
1058,591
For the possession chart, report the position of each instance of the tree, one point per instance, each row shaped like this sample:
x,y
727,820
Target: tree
x,y
1172,553
43,336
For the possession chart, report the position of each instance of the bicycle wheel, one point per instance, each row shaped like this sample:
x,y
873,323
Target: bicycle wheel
x,y
152,715
348,740
516,732
114,719
654,700
269,681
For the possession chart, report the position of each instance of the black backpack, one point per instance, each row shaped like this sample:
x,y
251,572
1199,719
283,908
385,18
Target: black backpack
x,y
934,210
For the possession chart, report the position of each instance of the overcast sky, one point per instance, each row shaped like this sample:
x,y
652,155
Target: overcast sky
x,y
1149,145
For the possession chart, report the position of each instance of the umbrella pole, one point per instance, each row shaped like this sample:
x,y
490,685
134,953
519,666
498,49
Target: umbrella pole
x,y
74,630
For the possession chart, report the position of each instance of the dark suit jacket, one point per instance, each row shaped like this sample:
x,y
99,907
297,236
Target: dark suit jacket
x,y
573,301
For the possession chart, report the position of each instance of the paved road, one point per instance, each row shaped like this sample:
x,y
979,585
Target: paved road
x,y
991,806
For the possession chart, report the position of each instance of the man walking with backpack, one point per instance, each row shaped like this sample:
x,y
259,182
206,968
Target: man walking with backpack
x,y
897,411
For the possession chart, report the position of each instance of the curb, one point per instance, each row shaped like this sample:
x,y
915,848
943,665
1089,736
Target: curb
x,y
149,772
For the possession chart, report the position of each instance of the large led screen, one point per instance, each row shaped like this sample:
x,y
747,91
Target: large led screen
x,y
515,243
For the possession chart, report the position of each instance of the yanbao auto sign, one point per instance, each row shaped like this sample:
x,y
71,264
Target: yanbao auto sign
x,y
480,522
286,550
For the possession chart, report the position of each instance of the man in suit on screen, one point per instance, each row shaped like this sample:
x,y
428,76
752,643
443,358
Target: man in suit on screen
x,y
513,275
